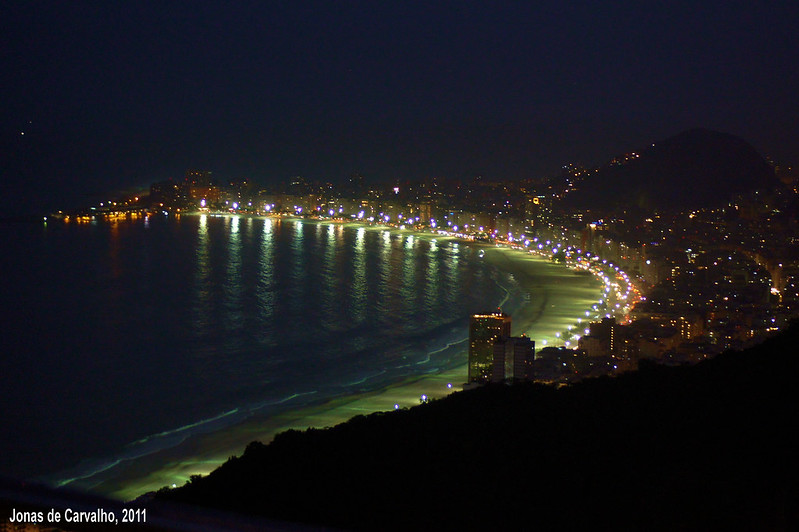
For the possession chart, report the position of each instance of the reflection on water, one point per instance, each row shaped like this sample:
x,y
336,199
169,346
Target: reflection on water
x,y
450,264
330,319
385,270
298,284
359,289
265,291
431,276
202,277
410,287
212,314
233,286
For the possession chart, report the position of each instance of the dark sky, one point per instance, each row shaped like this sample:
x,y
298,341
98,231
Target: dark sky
x,y
112,95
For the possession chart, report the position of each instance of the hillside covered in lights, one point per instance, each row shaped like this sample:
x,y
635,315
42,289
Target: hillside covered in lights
x,y
696,168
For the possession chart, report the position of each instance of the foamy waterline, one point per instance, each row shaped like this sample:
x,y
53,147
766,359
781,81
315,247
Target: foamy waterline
x,y
443,352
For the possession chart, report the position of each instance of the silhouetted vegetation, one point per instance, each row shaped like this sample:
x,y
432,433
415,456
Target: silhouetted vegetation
x,y
705,447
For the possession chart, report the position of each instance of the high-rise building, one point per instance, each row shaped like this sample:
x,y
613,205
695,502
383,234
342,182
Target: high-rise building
x,y
425,212
513,359
201,187
601,339
484,331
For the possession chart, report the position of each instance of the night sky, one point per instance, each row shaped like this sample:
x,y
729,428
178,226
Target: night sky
x,y
113,95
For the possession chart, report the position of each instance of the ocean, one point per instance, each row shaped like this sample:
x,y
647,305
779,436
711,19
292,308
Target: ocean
x,y
123,338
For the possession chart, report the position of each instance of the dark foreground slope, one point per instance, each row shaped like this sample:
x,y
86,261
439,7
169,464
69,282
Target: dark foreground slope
x,y
707,447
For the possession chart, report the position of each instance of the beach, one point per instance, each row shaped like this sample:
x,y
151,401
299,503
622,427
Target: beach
x,y
555,299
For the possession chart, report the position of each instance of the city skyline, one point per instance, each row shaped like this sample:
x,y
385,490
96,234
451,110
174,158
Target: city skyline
x,y
104,98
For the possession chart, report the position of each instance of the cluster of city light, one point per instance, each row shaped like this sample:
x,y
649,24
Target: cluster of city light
x,y
616,284
97,215
400,221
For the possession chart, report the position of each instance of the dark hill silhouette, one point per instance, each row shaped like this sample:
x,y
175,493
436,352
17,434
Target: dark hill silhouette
x,y
706,447
697,168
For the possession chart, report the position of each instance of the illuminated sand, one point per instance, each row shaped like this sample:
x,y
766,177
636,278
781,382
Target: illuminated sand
x,y
558,298
202,454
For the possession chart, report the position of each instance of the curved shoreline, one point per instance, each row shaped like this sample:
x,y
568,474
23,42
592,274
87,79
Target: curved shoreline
x,y
553,303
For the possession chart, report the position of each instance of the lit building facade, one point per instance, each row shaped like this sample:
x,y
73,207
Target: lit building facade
x,y
484,331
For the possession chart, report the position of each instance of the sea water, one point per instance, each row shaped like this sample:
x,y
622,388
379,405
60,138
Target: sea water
x,y
122,338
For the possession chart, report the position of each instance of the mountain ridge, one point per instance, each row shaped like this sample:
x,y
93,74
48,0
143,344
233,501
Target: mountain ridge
x,y
694,169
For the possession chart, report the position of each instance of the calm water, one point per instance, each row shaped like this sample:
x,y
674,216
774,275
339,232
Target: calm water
x,y
124,337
